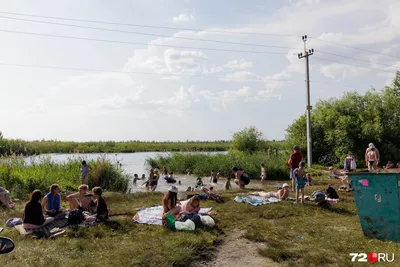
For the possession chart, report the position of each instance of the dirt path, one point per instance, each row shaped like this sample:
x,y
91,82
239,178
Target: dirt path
x,y
237,251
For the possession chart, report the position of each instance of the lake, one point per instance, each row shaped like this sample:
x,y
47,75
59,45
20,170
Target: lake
x,y
133,163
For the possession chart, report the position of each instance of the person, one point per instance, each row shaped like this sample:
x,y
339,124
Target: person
x,y
214,177
154,181
199,182
85,172
333,173
241,177
346,183
353,163
171,175
179,182
228,185
331,193
101,207
389,165
191,205
293,162
5,198
373,158
78,199
52,202
347,162
143,176
219,174
165,172
135,178
308,180
299,175
263,174
281,194
170,201
398,165
32,217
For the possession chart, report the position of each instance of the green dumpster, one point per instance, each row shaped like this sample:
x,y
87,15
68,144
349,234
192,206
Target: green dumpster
x,y
377,198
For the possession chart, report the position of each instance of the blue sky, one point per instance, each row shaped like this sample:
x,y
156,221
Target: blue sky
x,y
237,90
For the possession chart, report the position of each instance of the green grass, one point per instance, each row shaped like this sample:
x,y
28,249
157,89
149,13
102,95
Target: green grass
x,y
330,235
202,164
23,177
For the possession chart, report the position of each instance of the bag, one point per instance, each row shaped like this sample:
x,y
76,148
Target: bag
x,y
188,225
207,220
75,217
194,218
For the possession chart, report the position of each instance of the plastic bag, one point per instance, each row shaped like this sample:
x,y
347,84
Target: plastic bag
x,y
188,225
170,219
207,220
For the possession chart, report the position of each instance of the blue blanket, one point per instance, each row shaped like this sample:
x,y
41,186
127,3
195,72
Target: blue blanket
x,y
256,200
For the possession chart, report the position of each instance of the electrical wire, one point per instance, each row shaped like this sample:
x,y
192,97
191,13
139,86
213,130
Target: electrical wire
x,y
150,26
151,44
344,63
353,58
147,34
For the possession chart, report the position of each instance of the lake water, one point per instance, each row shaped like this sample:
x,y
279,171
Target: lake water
x,y
133,163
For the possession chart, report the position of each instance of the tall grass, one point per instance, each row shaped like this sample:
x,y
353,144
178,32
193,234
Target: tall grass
x,y
202,164
21,176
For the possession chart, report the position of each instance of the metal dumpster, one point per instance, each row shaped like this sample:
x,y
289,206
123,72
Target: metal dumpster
x,y
377,198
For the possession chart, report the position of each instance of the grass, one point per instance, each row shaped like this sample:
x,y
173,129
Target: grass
x,y
202,164
330,235
21,177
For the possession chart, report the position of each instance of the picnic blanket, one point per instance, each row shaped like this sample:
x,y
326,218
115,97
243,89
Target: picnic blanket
x,y
153,215
256,200
47,230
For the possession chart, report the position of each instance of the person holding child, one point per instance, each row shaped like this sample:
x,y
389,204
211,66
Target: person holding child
x,y
299,175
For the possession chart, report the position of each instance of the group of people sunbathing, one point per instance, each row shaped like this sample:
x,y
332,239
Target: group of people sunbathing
x,y
39,210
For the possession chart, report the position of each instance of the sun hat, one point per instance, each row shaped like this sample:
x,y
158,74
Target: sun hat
x,y
285,185
173,189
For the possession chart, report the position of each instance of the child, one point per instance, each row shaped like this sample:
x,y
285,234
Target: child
x,y
101,207
85,172
308,179
263,174
171,175
299,175
199,182
143,176
213,178
179,182
135,178
219,174
228,184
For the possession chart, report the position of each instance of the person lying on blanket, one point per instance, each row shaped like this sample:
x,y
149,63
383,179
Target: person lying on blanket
x,y
282,194
101,207
78,199
52,202
33,213
170,201
191,205
210,193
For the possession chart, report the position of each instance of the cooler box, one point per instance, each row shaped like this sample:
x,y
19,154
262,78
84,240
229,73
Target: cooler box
x,y
377,198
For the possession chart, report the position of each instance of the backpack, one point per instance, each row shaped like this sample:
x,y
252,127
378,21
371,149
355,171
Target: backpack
x,y
75,217
331,193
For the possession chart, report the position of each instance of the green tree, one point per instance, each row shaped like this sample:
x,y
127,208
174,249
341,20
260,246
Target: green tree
x,y
248,140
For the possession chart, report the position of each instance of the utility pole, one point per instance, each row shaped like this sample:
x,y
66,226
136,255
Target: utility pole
x,y
306,54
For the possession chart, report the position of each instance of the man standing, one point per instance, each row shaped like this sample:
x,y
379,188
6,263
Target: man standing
x,y
293,163
372,159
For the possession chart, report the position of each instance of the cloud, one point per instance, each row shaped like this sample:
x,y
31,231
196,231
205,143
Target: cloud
x,y
341,71
241,76
183,17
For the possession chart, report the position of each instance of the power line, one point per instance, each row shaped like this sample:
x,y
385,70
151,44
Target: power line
x,y
136,43
353,58
148,34
149,26
352,47
140,73
324,59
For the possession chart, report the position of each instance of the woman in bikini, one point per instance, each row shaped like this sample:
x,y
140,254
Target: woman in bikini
x,y
282,194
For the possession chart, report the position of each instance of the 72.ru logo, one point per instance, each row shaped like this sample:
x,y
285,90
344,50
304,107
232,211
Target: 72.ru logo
x,y
371,257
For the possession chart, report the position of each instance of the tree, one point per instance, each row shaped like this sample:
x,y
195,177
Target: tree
x,y
350,123
248,140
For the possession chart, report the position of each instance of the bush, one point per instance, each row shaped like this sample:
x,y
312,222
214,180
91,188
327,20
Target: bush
x,y
202,164
248,140
22,177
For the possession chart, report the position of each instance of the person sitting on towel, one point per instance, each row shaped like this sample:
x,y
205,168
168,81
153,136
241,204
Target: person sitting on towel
x,y
170,201
33,213
78,199
52,202
101,207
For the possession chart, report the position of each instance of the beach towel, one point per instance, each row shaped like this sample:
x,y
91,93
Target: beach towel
x,y
256,200
48,230
153,215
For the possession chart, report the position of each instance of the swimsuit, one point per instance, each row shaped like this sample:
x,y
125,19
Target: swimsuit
x,y
245,179
300,183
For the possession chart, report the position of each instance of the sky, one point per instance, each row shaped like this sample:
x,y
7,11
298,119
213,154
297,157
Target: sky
x,y
189,69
